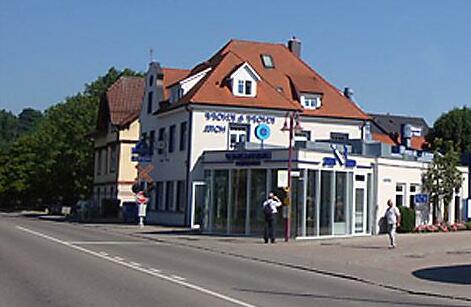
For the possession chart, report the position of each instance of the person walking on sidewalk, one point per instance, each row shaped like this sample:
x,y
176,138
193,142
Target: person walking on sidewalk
x,y
393,219
270,210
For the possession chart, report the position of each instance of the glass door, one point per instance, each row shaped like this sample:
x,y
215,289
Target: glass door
x,y
198,204
360,213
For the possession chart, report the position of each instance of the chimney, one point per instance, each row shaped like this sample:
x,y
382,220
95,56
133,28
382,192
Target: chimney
x,y
294,45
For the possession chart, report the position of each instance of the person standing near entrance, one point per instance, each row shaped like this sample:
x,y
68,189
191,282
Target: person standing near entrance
x,y
270,210
393,218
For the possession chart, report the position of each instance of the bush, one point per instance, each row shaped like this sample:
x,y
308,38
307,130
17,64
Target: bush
x,y
468,225
407,219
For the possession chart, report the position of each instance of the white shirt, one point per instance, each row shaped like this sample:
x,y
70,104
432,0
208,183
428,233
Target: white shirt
x,y
273,204
392,213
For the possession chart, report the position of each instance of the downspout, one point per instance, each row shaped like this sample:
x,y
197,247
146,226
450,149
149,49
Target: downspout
x,y
189,211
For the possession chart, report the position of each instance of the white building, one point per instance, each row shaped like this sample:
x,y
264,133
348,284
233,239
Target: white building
x,y
218,146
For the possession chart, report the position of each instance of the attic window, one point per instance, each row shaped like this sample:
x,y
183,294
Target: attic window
x,y
267,61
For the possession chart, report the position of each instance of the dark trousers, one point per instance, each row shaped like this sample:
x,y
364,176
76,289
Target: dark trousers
x,y
270,229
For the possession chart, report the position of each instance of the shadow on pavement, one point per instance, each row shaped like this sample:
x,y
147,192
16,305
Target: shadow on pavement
x,y
343,298
457,274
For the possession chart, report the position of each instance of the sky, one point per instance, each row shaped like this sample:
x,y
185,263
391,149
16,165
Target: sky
x,y
403,57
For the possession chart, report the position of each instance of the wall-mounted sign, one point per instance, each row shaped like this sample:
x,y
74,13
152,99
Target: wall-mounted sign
x,y
262,132
214,129
239,118
248,155
340,158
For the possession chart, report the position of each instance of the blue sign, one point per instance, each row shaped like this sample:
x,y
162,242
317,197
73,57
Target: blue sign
x,y
340,158
262,132
421,198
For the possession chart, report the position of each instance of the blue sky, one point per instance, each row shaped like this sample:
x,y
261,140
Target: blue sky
x,y
403,57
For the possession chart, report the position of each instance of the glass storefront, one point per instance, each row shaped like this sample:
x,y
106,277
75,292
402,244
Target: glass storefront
x,y
324,202
258,194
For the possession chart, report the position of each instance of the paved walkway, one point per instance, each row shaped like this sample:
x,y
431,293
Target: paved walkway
x,y
412,267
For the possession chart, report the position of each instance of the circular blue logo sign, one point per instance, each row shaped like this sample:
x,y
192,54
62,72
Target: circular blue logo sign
x,y
262,132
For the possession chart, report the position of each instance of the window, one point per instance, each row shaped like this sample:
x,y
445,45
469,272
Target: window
x,y
169,205
400,194
113,158
336,136
241,86
171,140
300,138
160,149
238,135
267,61
98,168
244,87
248,87
105,171
151,80
151,142
413,189
176,93
159,196
311,101
181,193
183,135
149,102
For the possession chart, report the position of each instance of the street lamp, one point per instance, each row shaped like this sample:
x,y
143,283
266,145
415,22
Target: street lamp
x,y
292,125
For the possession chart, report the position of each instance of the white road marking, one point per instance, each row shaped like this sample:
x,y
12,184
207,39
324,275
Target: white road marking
x,y
177,277
140,269
118,258
101,253
106,242
155,270
134,263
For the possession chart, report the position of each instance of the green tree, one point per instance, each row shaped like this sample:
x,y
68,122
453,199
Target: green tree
x,y
54,161
8,129
28,119
454,126
443,178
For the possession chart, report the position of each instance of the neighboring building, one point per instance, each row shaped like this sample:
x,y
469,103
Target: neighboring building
x,y
219,144
397,130
116,133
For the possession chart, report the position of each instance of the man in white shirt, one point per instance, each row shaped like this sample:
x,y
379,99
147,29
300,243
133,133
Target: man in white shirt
x,y
270,210
393,219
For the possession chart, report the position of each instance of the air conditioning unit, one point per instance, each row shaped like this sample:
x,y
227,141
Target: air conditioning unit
x,y
161,144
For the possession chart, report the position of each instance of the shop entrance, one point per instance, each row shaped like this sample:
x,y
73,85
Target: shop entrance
x,y
360,204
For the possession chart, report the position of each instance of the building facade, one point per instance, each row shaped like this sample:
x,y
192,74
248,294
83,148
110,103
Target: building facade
x,y
219,143
116,134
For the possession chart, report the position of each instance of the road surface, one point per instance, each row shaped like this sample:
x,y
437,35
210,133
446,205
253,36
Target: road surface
x,y
45,263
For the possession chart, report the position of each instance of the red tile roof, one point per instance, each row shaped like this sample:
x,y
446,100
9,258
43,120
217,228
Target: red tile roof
x,y
276,90
123,99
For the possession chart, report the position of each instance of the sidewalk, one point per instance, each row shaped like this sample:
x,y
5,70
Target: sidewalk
x,y
365,259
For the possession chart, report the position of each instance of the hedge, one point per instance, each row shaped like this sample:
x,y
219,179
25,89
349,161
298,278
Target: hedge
x,y
407,219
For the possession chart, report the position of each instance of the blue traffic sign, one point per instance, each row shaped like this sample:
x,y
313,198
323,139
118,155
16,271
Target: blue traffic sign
x,y
421,198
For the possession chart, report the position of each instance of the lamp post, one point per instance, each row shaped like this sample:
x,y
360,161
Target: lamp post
x,y
290,119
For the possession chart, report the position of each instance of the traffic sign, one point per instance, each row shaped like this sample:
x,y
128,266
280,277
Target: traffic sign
x,y
421,198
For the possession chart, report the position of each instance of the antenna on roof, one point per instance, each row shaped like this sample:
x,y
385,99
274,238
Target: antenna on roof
x,y
151,54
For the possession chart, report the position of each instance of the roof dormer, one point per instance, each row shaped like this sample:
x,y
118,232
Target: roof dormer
x,y
310,101
244,81
179,89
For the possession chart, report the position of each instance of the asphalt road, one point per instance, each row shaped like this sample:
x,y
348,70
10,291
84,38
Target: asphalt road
x,y
46,263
